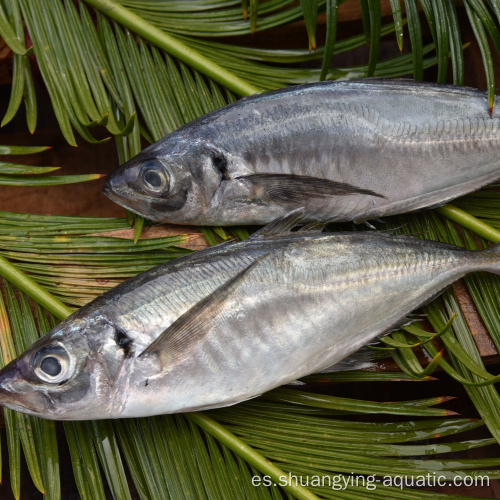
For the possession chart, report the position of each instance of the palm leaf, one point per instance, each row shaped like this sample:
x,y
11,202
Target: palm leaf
x,y
219,454
15,174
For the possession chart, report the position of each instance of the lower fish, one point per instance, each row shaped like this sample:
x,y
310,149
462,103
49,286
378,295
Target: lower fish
x,y
226,324
345,151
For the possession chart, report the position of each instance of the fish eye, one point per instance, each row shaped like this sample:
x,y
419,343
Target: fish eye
x,y
52,364
154,177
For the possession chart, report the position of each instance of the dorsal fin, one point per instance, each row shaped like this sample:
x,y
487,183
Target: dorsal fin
x,y
280,225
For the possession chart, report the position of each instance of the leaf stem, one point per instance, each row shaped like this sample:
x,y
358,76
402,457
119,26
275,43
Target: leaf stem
x,y
173,46
470,222
249,455
33,290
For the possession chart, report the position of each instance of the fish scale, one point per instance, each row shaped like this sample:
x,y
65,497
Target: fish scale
x,y
343,151
228,323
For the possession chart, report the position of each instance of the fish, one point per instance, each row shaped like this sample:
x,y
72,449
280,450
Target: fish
x,y
345,151
225,324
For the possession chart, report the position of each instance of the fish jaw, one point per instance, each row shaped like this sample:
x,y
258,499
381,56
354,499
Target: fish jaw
x,y
16,394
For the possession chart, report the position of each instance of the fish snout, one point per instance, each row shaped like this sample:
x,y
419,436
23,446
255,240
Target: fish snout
x,y
18,394
106,189
112,186
117,188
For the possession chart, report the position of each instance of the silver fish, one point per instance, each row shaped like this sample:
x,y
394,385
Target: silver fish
x,y
226,324
342,150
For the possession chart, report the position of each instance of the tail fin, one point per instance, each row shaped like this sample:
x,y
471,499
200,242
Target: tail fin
x,y
494,253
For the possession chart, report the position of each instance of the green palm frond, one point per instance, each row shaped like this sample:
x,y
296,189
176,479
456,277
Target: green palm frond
x,y
139,70
15,174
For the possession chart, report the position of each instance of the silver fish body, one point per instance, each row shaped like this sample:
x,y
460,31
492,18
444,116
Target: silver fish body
x,y
342,150
223,325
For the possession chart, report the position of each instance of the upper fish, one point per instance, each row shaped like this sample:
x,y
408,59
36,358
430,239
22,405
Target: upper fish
x,y
345,151
228,323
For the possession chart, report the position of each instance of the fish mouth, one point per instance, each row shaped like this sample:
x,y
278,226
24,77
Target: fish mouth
x,y
29,401
116,198
109,192
120,199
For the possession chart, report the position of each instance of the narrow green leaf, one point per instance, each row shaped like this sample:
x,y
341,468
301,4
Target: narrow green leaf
x,y
138,225
240,232
18,63
17,169
220,470
362,376
82,482
495,5
310,12
398,22
210,237
487,21
254,9
345,404
16,92
25,423
189,84
49,457
415,31
456,50
442,38
331,35
9,34
22,150
30,99
52,180
244,9
109,455
14,448
375,29
365,17
482,40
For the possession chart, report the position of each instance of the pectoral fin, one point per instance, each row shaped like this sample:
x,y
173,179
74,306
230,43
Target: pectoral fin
x,y
193,324
298,189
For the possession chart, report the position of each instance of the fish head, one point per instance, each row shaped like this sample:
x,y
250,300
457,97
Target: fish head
x,y
174,180
62,376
